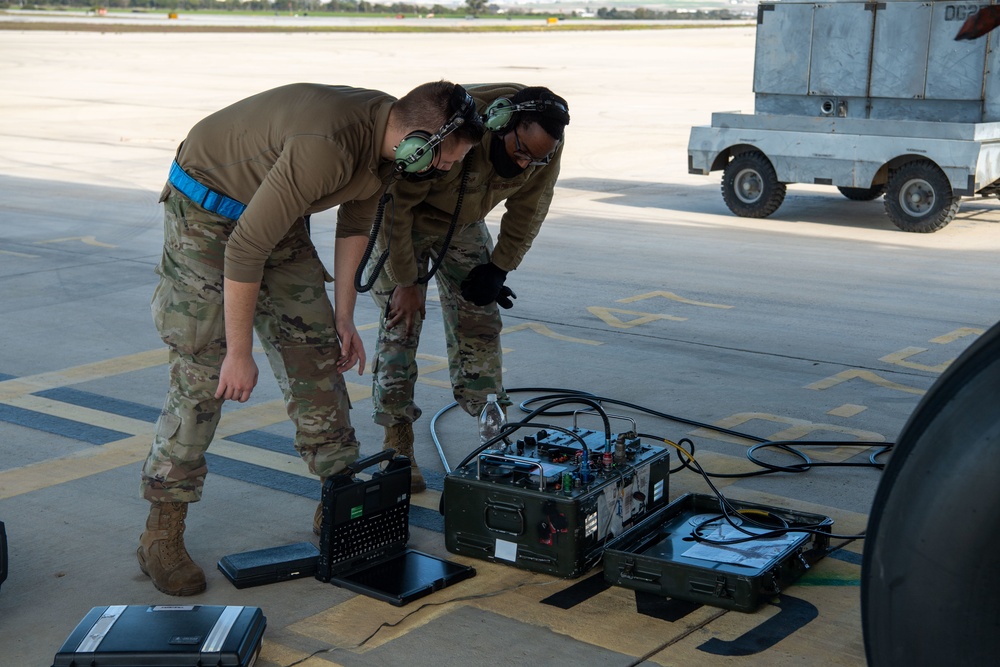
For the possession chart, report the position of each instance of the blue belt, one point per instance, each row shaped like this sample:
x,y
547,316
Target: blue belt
x,y
203,196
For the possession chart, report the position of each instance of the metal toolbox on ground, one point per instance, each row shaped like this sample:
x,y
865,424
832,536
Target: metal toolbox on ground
x,y
662,554
165,636
535,509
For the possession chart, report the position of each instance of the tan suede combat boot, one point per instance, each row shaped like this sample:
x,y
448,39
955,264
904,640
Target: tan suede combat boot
x,y
400,438
162,555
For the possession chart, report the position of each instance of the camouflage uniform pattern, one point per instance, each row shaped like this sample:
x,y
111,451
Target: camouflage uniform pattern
x,y
295,323
472,333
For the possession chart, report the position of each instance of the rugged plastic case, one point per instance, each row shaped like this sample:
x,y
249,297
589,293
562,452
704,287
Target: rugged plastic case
x,y
165,636
661,554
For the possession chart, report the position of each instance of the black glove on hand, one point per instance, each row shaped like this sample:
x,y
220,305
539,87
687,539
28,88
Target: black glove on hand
x,y
505,296
483,284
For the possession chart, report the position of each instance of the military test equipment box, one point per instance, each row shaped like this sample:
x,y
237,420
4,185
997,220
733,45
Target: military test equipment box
x,y
552,502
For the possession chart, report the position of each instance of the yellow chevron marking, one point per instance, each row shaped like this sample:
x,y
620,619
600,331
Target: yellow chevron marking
x,y
89,240
537,327
672,297
605,314
867,376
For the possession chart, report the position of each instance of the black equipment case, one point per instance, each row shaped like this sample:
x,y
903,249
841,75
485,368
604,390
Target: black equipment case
x,y
661,554
3,553
165,636
364,533
267,566
536,510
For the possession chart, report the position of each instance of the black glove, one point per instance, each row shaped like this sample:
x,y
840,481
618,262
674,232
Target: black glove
x,y
505,296
484,283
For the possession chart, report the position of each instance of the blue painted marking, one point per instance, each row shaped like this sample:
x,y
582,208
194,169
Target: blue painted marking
x,y
141,412
261,476
65,428
268,441
115,406
301,486
4,376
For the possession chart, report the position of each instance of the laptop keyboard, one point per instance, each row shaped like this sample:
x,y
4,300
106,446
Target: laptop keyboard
x,y
370,533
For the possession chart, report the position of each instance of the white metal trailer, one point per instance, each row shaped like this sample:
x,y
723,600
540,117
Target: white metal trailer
x,y
869,97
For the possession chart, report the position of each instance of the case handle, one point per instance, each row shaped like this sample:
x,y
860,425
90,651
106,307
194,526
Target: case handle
x,y
367,462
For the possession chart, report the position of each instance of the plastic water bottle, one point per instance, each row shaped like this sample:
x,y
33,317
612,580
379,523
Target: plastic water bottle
x,y
491,422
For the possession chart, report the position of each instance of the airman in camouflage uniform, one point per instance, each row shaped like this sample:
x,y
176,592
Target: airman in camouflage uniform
x,y
229,269
294,321
517,162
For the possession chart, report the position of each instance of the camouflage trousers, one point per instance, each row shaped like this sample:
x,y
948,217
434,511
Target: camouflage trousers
x,y
472,333
294,321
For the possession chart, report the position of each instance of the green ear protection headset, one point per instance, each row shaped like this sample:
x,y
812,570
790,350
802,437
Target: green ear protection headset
x,y
416,151
501,111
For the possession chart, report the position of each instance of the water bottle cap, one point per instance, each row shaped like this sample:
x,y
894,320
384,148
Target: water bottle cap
x,y
491,398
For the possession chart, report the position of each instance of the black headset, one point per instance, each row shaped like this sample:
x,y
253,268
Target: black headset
x,y
501,111
418,149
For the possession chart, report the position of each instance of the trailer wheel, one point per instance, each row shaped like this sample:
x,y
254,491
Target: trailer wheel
x,y
750,186
918,198
863,194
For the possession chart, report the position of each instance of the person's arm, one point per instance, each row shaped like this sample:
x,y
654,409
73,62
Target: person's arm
x,y
404,304
347,254
525,211
238,375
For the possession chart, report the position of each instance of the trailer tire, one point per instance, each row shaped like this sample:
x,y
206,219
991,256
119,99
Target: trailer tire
x,y
919,198
750,186
863,194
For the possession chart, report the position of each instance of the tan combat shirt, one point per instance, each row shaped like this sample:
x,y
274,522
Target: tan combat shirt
x,y
290,152
427,207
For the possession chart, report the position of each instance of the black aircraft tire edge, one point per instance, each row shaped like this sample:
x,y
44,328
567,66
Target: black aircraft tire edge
x,y
930,575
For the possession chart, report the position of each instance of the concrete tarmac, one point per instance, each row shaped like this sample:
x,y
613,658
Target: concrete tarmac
x,y
821,322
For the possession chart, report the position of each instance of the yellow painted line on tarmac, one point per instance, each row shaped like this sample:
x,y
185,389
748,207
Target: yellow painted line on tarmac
x,y
833,637
352,621
91,461
248,418
359,392
265,458
540,328
442,384
428,499
266,414
847,410
795,429
608,316
86,240
79,413
867,376
94,371
279,654
672,297
902,358
19,254
961,332
608,620
134,449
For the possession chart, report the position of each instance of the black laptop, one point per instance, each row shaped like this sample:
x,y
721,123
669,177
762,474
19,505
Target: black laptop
x,y
364,535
